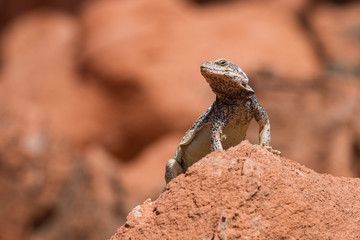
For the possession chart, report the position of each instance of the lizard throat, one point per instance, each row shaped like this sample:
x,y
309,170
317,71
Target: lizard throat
x,y
233,98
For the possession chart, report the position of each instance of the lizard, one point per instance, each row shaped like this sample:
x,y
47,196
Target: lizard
x,y
225,122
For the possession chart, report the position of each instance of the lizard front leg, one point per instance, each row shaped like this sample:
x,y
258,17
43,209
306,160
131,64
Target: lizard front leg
x,y
264,133
265,139
216,131
172,170
264,129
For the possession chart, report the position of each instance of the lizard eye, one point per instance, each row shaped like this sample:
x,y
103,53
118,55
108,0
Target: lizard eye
x,y
222,62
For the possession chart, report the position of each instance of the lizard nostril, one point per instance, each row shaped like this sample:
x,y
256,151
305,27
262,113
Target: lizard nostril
x,y
202,67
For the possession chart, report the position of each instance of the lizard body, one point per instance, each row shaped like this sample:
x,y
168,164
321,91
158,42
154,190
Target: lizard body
x,y
225,122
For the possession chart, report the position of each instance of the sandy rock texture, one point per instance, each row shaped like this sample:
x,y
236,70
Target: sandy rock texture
x,y
248,193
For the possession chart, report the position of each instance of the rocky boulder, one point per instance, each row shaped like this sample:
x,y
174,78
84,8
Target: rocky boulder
x,y
248,193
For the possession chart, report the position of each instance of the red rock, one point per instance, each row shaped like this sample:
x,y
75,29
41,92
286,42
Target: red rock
x,y
46,184
318,127
126,38
47,88
12,9
337,30
249,193
152,43
46,116
39,80
297,6
122,76
144,177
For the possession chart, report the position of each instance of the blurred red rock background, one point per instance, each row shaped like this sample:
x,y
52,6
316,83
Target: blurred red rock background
x,y
96,95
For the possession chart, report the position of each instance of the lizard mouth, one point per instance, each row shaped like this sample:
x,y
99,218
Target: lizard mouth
x,y
246,87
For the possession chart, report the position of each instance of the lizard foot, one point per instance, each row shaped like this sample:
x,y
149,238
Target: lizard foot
x,y
270,149
172,170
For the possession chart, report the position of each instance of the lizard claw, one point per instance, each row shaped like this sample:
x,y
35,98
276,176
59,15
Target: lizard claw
x,y
270,149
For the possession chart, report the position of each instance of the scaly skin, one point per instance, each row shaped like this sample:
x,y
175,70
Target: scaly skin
x,y
225,123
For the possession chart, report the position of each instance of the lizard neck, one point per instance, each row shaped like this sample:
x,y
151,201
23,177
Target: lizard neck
x,y
234,99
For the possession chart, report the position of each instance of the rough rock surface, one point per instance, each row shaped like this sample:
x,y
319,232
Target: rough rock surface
x,y
248,193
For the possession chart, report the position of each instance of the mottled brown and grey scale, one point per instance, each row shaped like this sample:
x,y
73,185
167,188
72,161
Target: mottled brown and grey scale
x,y
225,122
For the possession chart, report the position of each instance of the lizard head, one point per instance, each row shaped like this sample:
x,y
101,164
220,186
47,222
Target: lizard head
x,y
225,77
